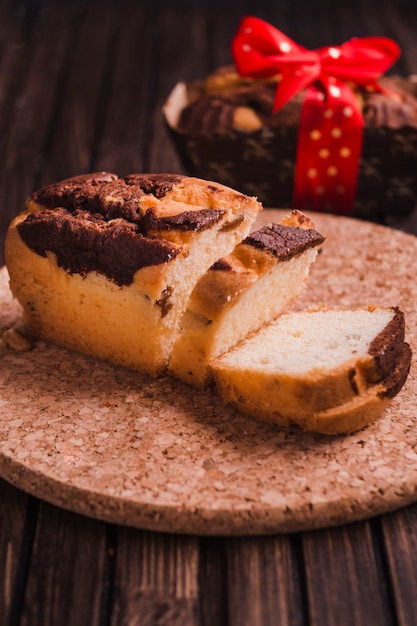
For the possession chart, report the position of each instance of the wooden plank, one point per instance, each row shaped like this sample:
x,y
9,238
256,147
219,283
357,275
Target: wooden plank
x,y
224,23
156,579
180,52
399,531
68,571
344,578
13,63
263,582
401,24
13,506
123,137
12,36
32,109
34,105
213,582
83,92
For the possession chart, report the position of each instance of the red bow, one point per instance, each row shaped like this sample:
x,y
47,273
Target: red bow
x,y
262,51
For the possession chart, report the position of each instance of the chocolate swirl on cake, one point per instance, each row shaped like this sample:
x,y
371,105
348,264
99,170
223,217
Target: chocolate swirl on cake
x,y
95,222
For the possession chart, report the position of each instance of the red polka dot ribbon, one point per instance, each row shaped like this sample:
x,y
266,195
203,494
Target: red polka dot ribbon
x,y
331,127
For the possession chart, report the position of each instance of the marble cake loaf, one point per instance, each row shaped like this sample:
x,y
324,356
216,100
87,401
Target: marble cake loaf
x,y
161,273
105,265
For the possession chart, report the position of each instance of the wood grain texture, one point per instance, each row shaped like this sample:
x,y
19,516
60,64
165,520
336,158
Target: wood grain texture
x,y
122,134
13,63
341,564
13,510
81,96
399,531
399,23
156,579
213,581
171,61
267,570
67,576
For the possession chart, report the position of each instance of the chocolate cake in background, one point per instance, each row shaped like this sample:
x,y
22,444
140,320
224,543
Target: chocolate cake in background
x,y
224,129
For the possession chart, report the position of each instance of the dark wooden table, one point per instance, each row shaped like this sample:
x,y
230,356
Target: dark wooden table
x,y
81,89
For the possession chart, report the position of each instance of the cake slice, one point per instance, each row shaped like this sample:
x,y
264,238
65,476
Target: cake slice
x,y
313,366
241,292
364,408
106,265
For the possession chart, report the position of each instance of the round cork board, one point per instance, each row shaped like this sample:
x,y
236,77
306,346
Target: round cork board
x,y
114,445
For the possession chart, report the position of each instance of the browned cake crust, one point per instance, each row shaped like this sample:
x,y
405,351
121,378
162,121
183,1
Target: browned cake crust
x,y
387,347
282,241
363,408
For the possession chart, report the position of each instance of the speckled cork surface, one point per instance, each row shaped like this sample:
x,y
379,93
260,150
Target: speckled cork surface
x,y
159,455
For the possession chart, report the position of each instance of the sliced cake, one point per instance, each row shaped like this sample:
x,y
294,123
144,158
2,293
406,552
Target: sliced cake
x,y
106,265
240,293
309,366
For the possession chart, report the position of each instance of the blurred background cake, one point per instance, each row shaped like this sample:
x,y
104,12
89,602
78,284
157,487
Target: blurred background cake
x,y
225,129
